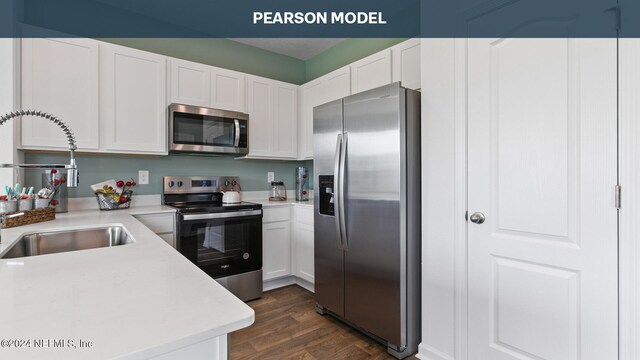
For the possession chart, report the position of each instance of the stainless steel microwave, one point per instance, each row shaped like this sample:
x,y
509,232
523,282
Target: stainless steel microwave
x,y
195,129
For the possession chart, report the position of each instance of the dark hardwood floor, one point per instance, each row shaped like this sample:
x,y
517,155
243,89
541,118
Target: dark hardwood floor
x,y
287,327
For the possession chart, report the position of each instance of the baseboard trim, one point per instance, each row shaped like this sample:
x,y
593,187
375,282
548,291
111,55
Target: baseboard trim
x,y
286,281
426,352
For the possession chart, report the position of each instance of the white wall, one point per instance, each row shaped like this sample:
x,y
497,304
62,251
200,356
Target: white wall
x,y
9,100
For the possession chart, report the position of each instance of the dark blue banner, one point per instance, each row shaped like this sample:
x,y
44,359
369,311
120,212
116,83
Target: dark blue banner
x,y
319,18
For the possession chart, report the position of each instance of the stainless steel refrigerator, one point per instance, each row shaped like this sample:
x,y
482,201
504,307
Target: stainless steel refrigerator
x,y
367,214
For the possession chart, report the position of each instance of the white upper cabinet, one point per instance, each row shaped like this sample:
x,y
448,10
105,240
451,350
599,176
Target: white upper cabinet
x,y
371,72
406,63
60,77
260,106
190,83
337,84
330,87
310,96
272,107
285,118
207,86
133,111
228,90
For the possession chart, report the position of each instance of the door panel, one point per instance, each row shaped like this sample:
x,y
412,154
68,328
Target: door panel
x,y
329,258
542,168
373,260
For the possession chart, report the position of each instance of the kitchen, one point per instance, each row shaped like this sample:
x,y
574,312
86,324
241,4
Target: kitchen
x,y
118,102
123,103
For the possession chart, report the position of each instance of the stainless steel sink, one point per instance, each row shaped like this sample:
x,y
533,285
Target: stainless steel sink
x,y
65,241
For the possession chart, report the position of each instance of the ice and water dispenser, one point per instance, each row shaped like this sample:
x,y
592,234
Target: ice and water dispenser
x,y
326,195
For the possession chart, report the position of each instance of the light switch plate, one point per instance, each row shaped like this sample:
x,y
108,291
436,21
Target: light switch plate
x,y
143,177
270,176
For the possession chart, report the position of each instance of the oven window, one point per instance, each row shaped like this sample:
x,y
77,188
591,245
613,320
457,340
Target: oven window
x,y
193,129
222,242
223,247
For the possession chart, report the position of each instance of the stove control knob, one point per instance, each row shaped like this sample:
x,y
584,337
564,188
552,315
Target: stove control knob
x,y
180,183
171,183
245,256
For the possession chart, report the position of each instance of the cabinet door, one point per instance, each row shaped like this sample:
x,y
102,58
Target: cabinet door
x,y
190,84
406,63
228,90
337,85
60,77
309,95
133,100
332,86
371,72
303,237
285,121
260,116
276,250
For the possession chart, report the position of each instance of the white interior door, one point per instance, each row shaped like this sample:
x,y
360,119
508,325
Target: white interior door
x,y
542,268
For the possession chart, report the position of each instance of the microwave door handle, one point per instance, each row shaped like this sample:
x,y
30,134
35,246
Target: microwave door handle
x,y
337,190
236,142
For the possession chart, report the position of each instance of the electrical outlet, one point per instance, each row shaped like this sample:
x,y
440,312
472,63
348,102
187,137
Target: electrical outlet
x,y
271,176
143,177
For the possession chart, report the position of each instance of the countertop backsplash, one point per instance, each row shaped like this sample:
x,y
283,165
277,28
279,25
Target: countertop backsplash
x,y
94,168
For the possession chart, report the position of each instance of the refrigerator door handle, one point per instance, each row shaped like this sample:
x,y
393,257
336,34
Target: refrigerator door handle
x,y
336,189
343,222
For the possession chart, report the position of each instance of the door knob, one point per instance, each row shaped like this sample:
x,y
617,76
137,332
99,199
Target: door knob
x,y
477,218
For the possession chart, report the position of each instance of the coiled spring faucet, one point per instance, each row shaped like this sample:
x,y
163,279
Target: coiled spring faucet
x,y
72,168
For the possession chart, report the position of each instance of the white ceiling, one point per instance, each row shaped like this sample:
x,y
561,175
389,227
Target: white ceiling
x,y
302,49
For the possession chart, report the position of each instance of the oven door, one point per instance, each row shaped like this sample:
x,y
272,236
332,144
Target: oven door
x,y
222,244
203,130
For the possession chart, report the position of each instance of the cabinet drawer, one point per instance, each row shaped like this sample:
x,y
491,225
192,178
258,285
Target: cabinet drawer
x,y
278,213
158,223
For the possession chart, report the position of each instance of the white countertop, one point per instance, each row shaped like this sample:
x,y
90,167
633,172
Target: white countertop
x,y
267,203
131,301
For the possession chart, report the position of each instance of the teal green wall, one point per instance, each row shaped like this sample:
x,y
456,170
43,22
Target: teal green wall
x,y
96,168
226,54
345,53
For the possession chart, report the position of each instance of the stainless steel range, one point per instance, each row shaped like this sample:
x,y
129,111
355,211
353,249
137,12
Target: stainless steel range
x,y
223,239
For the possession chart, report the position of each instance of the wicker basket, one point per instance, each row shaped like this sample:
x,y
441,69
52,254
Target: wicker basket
x,y
29,217
109,203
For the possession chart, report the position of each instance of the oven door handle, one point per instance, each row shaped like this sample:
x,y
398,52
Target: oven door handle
x,y
224,215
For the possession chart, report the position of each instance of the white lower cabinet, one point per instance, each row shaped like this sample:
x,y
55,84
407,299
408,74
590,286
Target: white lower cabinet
x,y
303,243
276,243
162,224
287,238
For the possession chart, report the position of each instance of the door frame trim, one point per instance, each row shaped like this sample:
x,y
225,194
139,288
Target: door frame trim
x,y
444,198
629,213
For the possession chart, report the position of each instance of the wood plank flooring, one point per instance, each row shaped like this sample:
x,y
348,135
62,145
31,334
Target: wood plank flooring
x,y
287,327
